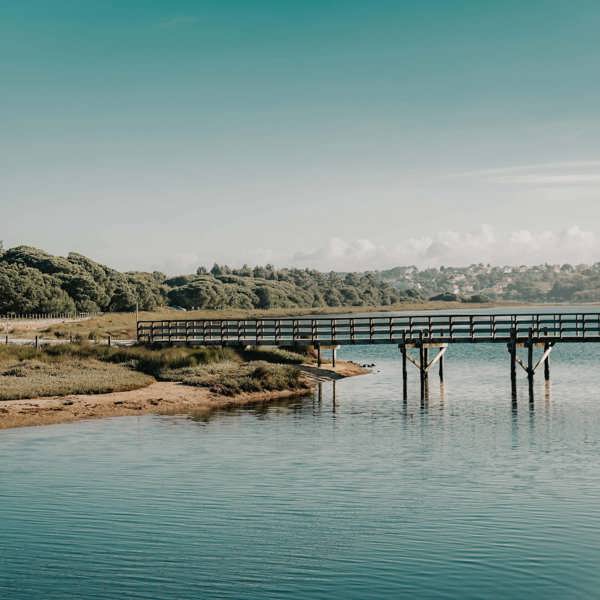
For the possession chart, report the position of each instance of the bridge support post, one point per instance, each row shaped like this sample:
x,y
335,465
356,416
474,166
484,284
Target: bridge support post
x,y
333,355
404,372
530,368
512,349
423,356
441,369
318,355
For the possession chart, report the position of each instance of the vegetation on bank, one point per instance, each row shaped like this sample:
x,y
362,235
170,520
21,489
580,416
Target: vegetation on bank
x,y
25,373
90,369
232,378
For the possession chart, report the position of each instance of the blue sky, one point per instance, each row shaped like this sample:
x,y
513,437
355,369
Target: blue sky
x,y
329,134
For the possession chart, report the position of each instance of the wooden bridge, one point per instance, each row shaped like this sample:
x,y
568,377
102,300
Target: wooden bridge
x,y
420,333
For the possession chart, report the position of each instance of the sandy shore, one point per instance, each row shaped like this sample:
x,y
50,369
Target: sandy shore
x,y
158,398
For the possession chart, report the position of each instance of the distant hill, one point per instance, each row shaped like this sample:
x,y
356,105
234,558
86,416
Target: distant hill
x,y
541,283
32,280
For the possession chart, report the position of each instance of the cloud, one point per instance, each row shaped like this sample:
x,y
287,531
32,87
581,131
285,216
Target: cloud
x,y
449,248
183,262
188,262
583,172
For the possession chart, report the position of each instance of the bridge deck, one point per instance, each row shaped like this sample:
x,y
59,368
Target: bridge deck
x,y
393,329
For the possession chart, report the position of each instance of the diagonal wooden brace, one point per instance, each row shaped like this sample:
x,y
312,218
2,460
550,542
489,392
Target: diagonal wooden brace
x,y
413,361
543,358
437,357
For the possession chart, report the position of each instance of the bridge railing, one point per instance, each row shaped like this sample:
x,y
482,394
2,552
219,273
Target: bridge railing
x,y
372,330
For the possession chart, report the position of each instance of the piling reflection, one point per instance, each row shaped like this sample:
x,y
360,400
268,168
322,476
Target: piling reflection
x,y
425,395
333,397
442,394
428,400
547,393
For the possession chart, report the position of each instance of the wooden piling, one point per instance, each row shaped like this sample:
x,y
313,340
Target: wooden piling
x,y
530,362
441,368
512,348
318,355
402,348
422,365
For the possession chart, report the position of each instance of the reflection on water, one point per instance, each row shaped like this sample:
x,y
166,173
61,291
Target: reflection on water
x,y
357,492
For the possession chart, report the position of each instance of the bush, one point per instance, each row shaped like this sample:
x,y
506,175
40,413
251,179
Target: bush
x,y
274,355
229,378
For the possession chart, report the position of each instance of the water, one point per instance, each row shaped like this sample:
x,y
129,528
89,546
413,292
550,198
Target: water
x,y
465,496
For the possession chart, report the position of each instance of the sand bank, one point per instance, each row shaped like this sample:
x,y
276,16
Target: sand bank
x,y
157,398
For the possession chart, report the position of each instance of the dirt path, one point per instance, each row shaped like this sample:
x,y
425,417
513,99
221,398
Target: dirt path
x,y
25,325
158,398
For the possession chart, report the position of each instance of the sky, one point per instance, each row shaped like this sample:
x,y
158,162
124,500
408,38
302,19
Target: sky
x,y
336,135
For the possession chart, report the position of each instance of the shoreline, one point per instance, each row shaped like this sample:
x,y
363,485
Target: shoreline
x,y
160,398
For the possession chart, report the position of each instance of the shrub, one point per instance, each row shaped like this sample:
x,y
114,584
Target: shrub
x,y
274,355
229,378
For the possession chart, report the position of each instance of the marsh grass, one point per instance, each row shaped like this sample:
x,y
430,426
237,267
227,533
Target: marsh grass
x,y
32,377
87,368
231,378
275,355
151,361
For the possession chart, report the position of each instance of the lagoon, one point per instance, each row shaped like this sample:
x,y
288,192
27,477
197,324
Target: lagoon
x,y
466,495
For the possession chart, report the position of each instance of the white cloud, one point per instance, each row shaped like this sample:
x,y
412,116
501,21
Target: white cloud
x,y
449,248
571,245
582,172
181,263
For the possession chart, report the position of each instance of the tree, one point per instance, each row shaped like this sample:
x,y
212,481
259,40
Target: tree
x,y
265,299
123,300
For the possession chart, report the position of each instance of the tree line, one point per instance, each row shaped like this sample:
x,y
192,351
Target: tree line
x,y
34,281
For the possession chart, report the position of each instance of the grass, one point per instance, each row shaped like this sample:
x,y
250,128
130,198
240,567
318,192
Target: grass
x,y
231,378
32,378
151,361
274,355
93,369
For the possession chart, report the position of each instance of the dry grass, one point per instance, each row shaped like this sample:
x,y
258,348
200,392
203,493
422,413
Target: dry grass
x,y
31,378
123,325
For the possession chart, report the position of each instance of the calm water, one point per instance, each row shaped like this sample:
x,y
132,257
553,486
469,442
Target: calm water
x,y
466,496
